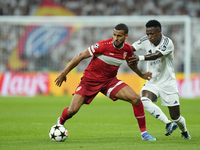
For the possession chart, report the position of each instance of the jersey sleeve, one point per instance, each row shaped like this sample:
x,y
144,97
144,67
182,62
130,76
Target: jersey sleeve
x,y
166,47
139,45
130,53
95,49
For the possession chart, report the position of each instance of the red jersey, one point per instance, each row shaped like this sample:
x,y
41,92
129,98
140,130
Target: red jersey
x,y
106,60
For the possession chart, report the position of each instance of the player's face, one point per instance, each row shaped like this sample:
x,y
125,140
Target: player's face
x,y
154,35
119,37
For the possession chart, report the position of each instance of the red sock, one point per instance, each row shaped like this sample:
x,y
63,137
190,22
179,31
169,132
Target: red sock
x,y
64,116
140,116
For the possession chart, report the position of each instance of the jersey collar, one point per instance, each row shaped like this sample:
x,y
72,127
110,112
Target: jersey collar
x,y
161,40
118,48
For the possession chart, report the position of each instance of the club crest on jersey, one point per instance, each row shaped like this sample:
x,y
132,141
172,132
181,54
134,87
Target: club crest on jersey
x,y
163,47
124,55
96,45
78,88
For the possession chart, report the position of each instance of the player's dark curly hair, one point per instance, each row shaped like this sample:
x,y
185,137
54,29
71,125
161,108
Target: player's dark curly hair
x,y
122,26
153,23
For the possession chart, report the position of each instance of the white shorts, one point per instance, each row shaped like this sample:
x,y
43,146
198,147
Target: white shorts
x,y
166,99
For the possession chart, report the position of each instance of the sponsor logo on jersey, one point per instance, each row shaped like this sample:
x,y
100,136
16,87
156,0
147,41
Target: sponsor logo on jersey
x,y
158,61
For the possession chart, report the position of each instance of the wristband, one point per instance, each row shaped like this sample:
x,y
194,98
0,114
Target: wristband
x,y
141,57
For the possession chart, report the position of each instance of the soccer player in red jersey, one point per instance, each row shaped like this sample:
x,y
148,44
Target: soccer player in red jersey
x,y
100,76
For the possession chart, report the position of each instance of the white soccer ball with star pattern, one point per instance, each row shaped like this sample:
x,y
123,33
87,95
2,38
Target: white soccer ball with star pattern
x,y
58,133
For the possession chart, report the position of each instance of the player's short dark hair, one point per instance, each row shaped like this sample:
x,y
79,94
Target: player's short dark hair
x,y
153,23
122,26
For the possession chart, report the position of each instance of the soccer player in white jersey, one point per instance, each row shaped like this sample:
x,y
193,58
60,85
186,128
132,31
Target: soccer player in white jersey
x,y
100,76
160,56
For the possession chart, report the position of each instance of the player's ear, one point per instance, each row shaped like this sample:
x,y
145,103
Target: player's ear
x,y
126,36
160,31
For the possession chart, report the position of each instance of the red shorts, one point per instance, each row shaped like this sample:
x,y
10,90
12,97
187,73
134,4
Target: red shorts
x,y
89,89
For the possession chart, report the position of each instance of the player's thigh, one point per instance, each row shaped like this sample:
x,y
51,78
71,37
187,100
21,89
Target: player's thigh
x,y
76,103
150,91
172,101
169,100
128,94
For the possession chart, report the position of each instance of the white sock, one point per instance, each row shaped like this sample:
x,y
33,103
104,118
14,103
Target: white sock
x,y
154,110
143,132
181,124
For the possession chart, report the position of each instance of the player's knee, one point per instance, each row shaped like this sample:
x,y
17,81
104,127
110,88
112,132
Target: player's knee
x,y
136,100
175,116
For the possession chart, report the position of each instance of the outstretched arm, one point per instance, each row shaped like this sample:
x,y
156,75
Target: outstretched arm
x,y
146,76
72,64
152,56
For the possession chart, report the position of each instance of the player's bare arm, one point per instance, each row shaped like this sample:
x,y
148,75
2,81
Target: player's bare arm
x,y
72,64
152,56
146,76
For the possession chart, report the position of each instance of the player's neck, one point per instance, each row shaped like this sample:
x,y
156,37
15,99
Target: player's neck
x,y
119,46
159,40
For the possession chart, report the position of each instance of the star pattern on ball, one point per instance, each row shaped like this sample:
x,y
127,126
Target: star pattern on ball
x,y
58,133
53,136
62,134
56,127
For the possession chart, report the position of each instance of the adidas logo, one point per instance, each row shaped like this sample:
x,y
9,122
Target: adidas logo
x,y
157,116
153,112
175,102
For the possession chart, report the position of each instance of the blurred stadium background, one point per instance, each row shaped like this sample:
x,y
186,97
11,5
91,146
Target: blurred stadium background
x,y
34,49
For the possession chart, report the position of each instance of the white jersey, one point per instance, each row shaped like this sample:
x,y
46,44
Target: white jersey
x,y
162,69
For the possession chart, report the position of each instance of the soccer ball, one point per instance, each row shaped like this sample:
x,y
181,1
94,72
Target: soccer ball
x,y
58,133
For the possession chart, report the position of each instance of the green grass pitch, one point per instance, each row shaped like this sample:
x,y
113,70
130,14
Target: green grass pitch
x,y
102,125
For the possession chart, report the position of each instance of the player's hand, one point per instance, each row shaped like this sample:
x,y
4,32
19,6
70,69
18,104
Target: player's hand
x,y
147,76
59,80
133,60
